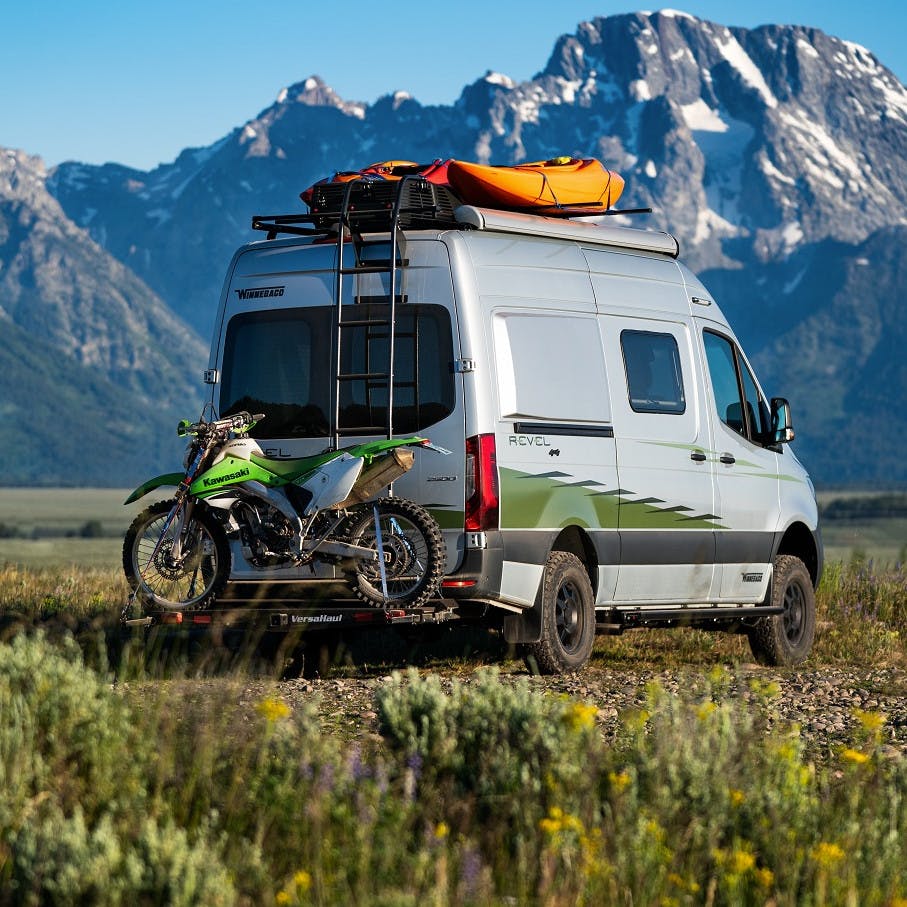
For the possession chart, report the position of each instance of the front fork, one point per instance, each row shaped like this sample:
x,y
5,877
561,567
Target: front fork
x,y
180,515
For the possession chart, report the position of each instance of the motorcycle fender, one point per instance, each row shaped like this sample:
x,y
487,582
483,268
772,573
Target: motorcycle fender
x,y
171,478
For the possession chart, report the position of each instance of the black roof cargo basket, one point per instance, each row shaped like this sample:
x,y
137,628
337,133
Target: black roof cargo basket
x,y
367,206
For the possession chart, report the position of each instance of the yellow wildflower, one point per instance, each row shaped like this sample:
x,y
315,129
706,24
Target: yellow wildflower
x,y
765,877
741,861
854,756
737,796
303,880
620,781
272,709
706,709
442,830
283,897
636,719
558,821
718,674
870,721
654,829
827,854
768,689
580,716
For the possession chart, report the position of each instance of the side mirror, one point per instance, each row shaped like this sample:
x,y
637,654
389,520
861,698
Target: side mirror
x,y
782,428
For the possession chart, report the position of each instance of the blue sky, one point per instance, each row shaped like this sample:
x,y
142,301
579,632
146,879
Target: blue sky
x,y
137,82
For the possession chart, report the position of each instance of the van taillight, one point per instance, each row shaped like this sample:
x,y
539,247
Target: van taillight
x,y
481,484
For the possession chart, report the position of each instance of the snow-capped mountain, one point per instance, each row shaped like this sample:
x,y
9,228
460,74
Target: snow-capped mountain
x,y
763,150
746,143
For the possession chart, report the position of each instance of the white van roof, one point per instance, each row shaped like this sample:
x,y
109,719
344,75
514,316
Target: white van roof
x,y
593,234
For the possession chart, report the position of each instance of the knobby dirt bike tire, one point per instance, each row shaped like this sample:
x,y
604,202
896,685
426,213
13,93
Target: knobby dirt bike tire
x,y
415,557
160,588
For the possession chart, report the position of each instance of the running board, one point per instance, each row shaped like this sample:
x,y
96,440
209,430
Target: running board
x,y
640,615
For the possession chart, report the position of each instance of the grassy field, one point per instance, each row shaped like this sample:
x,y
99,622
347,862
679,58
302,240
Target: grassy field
x,y
181,791
478,793
48,522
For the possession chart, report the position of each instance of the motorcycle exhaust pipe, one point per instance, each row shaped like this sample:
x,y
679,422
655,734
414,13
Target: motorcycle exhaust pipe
x,y
379,475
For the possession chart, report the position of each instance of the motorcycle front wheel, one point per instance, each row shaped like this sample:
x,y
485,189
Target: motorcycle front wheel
x,y
189,583
414,553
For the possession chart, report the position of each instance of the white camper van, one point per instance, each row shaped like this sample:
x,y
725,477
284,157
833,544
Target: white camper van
x,y
614,461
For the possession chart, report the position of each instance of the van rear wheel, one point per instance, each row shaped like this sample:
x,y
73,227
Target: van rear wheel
x,y
568,617
785,640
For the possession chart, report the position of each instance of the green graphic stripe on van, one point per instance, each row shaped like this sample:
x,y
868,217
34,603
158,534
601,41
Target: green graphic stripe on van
x,y
780,476
714,456
543,502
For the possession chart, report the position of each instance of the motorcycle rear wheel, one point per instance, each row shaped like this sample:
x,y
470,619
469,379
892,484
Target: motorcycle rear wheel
x,y
190,584
414,553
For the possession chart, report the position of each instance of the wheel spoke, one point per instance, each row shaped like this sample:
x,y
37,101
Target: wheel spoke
x,y
171,582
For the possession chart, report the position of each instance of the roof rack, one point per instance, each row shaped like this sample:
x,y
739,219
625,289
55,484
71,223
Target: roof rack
x,y
367,205
371,205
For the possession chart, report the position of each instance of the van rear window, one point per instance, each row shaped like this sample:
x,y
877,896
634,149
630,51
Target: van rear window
x,y
282,362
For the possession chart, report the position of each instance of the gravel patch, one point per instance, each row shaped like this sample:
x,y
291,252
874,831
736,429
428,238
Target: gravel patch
x,y
822,701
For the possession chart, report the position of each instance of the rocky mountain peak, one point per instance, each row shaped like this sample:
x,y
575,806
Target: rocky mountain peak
x,y
756,147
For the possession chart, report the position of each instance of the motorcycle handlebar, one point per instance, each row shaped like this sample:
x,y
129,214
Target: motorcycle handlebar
x,y
239,422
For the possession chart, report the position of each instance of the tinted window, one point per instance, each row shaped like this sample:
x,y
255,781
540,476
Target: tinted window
x,y
760,418
275,363
654,377
281,363
744,410
723,371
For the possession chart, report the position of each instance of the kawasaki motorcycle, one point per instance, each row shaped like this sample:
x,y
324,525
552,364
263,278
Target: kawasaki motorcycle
x,y
285,513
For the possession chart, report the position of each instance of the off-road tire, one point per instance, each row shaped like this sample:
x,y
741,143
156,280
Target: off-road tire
x,y
567,610
156,592
785,640
421,547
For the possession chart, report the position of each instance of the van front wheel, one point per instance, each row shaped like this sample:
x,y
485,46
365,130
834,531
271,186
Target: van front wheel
x,y
568,617
785,639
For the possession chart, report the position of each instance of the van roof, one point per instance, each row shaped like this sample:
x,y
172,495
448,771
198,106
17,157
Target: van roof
x,y
598,234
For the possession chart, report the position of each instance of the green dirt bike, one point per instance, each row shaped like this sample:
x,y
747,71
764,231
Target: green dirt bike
x,y
285,513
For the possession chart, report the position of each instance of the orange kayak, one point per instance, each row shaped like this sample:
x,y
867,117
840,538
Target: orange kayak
x,y
561,186
558,183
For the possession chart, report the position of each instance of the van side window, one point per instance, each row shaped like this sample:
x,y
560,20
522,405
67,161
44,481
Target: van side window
x,y
737,400
654,377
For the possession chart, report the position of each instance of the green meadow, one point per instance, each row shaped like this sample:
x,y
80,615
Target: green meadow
x,y
51,526
126,781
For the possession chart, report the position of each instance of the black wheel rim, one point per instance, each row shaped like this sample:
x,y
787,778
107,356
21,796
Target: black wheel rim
x,y
794,616
568,616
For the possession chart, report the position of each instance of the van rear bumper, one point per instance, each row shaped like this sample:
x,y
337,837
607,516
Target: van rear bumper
x,y
479,574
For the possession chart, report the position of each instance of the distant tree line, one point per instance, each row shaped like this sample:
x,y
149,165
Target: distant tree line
x,y
90,529
870,507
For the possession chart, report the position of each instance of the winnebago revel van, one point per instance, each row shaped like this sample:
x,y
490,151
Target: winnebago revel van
x,y
614,462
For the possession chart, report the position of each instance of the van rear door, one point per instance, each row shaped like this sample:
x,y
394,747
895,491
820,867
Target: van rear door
x,y
277,355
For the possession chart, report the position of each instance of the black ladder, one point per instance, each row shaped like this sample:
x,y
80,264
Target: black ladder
x,y
351,218
345,212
